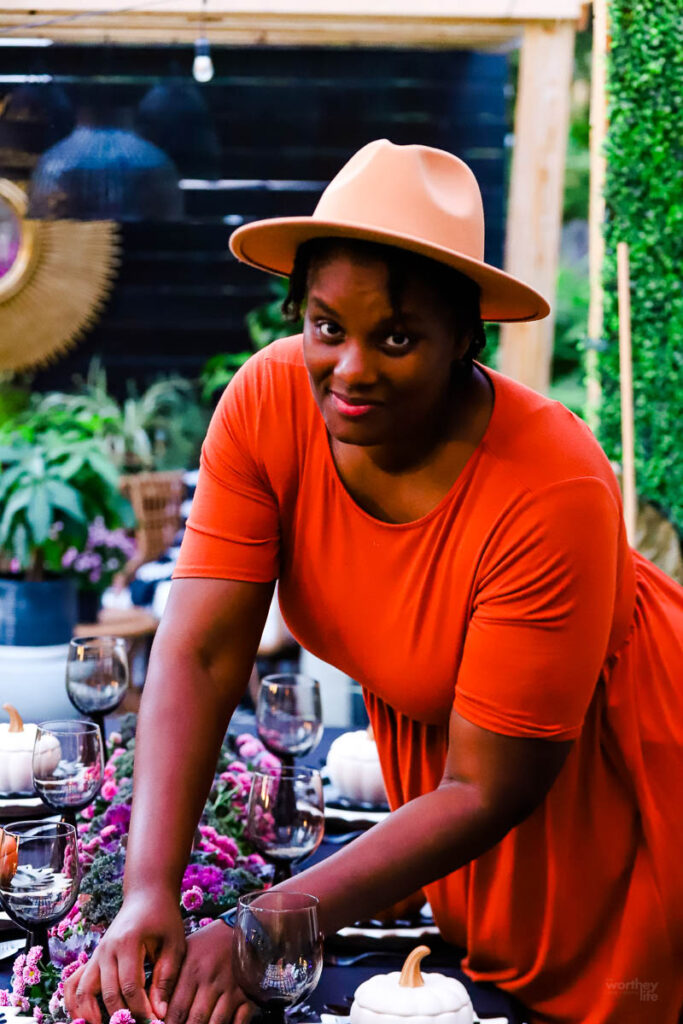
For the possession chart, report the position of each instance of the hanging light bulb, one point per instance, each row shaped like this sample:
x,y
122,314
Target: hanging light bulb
x,y
202,66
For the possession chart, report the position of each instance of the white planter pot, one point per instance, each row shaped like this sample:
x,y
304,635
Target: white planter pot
x,y
33,680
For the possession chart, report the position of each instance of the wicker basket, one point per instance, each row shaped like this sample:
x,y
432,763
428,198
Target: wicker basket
x,y
156,499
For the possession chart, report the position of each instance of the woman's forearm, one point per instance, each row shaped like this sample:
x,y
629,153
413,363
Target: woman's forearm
x,y
182,722
424,840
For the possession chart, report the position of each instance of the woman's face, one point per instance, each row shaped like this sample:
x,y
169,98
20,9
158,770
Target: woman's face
x,y
378,375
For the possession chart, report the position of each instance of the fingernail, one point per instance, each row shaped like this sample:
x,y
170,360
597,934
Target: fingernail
x,y
163,1007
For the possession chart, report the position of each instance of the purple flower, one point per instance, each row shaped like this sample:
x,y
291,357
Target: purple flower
x,y
95,576
119,816
192,898
14,566
122,1017
69,557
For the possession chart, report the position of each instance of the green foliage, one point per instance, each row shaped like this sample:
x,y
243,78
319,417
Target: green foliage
x,y
644,197
264,324
52,477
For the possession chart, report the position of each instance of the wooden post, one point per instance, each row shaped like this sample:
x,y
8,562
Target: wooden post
x,y
596,208
628,471
534,217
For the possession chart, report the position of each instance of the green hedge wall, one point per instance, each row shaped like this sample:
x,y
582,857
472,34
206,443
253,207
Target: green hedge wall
x,y
644,198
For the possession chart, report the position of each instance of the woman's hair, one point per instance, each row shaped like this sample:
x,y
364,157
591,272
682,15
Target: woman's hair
x,y
459,293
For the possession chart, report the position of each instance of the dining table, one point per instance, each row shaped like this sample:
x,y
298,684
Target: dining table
x,y
369,947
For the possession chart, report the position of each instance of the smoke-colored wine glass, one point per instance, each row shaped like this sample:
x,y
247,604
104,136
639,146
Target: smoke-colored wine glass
x,y
39,875
97,675
68,765
289,715
277,950
286,815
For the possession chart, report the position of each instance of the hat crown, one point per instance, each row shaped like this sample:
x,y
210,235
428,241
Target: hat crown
x,y
414,191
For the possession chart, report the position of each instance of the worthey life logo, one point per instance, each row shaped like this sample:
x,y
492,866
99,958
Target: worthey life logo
x,y
645,990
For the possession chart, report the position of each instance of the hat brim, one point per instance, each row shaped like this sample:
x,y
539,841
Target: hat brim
x,y
271,245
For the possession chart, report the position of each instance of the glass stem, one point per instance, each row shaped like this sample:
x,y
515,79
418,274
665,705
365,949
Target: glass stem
x,y
98,718
38,937
283,871
273,1015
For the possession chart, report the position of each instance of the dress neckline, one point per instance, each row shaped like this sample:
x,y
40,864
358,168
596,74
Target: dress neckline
x,y
460,481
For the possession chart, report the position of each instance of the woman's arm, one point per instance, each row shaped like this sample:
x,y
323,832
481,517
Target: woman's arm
x,y
200,664
490,784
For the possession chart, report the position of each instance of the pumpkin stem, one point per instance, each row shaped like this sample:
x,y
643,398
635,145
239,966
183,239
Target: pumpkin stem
x,y
15,722
411,977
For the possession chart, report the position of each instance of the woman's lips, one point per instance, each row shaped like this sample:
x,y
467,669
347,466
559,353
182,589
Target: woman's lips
x,y
353,407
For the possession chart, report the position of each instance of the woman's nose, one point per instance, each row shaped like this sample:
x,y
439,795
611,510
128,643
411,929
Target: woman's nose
x,y
355,364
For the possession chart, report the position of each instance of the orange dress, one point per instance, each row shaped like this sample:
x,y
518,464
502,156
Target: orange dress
x,y
518,601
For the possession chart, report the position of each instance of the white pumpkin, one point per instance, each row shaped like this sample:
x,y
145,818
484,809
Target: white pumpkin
x,y
391,998
354,769
16,753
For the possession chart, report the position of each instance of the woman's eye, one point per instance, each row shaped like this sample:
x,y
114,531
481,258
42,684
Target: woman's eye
x,y
399,342
329,330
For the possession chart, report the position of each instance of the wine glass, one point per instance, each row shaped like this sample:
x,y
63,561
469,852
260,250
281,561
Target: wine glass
x,y
39,876
277,949
289,715
68,765
97,676
286,815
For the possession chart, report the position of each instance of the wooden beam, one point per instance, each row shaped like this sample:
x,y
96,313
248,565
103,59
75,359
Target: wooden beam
x,y
534,217
437,23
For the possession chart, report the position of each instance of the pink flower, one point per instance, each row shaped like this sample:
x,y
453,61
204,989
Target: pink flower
x,y
108,792
69,970
55,1004
21,1002
79,1020
19,964
119,752
122,1017
4,997
83,957
62,928
32,975
109,770
108,831
268,762
33,956
39,1016
204,921
192,898
18,986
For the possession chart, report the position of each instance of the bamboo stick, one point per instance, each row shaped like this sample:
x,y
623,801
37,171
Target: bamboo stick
x,y
628,482
596,208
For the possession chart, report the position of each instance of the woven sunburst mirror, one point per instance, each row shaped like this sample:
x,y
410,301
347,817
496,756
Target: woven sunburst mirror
x,y
54,278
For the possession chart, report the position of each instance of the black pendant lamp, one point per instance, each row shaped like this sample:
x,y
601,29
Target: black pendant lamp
x,y
105,173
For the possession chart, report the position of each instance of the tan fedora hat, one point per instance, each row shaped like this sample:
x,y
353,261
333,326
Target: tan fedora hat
x,y
414,197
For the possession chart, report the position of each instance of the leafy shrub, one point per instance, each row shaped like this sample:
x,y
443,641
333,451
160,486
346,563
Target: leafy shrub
x,y
644,198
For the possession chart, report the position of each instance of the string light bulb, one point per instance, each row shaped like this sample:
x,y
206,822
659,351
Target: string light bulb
x,y
202,66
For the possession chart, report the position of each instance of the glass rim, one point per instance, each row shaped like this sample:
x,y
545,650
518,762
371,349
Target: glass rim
x,y
109,639
245,901
68,725
289,771
290,679
62,829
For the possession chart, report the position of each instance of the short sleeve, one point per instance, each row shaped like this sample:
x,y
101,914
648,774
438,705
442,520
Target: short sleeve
x,y
542,615
233,528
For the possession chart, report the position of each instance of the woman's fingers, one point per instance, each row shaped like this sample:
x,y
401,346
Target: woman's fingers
x,y
131,975
182,999
164,978
244,1013
81,991
109,984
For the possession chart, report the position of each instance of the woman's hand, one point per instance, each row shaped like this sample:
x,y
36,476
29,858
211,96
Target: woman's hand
x,y
205,992
148,927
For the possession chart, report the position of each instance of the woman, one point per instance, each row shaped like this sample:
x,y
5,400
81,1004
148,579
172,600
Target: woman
x,y
454,542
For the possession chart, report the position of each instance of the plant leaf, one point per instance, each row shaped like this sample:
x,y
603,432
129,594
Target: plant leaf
x,y
39,514
65,498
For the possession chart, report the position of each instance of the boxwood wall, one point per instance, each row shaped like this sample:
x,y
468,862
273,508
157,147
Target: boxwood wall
x,y
644,196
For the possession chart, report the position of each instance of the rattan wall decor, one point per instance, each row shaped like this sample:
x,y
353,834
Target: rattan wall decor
x,y
54,279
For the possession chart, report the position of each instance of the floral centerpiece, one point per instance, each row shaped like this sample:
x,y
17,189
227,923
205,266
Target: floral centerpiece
x,y
222,866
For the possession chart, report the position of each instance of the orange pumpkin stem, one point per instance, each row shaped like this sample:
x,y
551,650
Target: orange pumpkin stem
x,y
15,722
411,976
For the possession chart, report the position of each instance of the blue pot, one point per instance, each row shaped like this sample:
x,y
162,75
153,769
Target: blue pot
x,y
37,614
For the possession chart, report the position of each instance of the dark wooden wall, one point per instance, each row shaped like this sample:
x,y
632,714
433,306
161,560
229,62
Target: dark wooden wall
x,y
276,126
